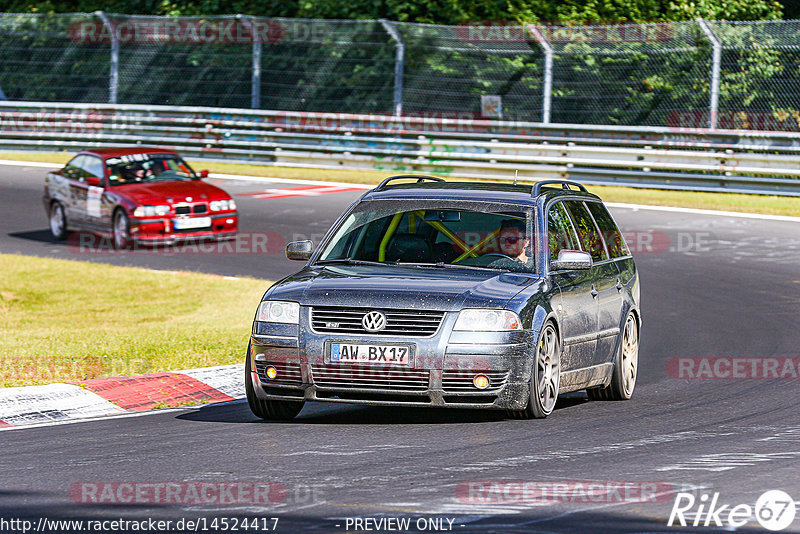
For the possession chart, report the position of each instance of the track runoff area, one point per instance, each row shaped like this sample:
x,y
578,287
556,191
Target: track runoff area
x,y
710,439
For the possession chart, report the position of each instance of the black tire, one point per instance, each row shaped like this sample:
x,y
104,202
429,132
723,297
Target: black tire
x,y
121,230
269,410
626,365
58,221
545,376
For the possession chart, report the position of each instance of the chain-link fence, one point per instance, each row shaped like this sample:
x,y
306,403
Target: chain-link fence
x,y
686,74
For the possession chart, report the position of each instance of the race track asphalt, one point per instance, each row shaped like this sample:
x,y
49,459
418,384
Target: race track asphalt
x,y
712,287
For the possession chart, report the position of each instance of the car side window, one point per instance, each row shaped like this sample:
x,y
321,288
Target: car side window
x,y
93,166
560,232
74,169
611,234
588,233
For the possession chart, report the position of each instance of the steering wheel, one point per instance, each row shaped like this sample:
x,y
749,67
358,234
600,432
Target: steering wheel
x,y
499,255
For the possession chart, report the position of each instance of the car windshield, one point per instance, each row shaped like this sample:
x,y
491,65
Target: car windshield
x,y
470,235
137,168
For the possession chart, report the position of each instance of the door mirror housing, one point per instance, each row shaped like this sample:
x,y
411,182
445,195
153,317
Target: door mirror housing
x,y
202,174
571,260
299,250
93,181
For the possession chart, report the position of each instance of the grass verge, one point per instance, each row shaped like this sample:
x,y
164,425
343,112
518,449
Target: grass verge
x,y
67,321
767,204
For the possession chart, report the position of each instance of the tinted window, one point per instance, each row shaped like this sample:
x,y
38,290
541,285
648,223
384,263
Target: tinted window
x,y
611,234
588,234
560,232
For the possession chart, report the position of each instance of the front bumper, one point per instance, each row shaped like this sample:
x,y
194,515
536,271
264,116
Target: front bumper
x,y
441,374
162,231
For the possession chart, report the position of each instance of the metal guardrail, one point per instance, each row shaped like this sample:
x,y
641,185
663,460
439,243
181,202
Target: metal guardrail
x,y
664,158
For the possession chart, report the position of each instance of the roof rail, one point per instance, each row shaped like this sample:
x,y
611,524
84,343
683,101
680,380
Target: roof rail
x,y
418,178
537,187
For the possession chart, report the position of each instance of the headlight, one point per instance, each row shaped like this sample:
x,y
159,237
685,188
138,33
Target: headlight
x,y
150,211
275,311
487,320
222,205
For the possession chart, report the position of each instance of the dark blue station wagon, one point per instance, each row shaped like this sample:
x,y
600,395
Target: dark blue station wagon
x,y
450,294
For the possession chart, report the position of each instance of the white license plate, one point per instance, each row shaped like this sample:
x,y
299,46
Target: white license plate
x,y
196,222
370,354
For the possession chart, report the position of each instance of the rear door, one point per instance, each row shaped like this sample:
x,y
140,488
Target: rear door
x,y
578,311
623,262
75,203
604,275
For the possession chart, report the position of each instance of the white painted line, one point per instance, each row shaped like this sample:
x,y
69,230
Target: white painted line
x,y
30,164
229,379
743,215
267,179
52,402
116,416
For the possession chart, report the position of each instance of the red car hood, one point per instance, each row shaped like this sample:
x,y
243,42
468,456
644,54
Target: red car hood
x,y
167,192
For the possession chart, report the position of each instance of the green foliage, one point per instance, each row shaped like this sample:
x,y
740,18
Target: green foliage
x,y
435,11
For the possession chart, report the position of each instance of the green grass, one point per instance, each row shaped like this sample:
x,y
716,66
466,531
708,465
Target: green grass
x,y
772,205
68,321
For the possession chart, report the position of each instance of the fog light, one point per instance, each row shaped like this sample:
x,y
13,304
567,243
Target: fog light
x,y
228,221
271,372
481,381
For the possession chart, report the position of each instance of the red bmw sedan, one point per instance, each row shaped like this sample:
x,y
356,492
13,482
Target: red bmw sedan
x,y
137,195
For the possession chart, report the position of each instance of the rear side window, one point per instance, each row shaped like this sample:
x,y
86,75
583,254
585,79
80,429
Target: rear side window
x,y
611,234
560,232
588,233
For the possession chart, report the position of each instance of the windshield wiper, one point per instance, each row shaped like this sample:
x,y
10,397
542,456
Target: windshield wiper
x,y
349,261
443,265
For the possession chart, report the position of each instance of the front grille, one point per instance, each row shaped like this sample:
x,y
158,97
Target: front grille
x,y
339,320
370,378
186,209
289,373
460,381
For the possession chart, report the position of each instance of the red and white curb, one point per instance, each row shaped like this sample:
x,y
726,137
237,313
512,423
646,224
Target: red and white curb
x,y
114,396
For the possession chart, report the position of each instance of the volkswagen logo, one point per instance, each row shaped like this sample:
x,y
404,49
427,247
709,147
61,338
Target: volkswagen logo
x,y
374,321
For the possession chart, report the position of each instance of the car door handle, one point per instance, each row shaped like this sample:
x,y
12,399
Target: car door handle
x,y
594,291
619,285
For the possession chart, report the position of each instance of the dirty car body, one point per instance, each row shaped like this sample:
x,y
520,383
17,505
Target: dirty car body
x,y
412,300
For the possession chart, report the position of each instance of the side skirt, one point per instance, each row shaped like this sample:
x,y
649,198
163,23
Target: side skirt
x,y
588,377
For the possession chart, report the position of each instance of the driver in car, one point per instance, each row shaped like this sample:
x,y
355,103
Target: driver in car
x,y
513,242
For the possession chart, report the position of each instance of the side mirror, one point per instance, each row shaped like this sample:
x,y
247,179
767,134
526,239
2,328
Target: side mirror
x,y
94,181
571,260
299,250
203,174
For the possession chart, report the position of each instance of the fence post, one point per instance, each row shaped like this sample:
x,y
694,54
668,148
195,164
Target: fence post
x,y
547,89
113,81
255,82
715,66
399,60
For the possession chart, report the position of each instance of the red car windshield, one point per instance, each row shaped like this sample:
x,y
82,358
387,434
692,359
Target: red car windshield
x,y
137,168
